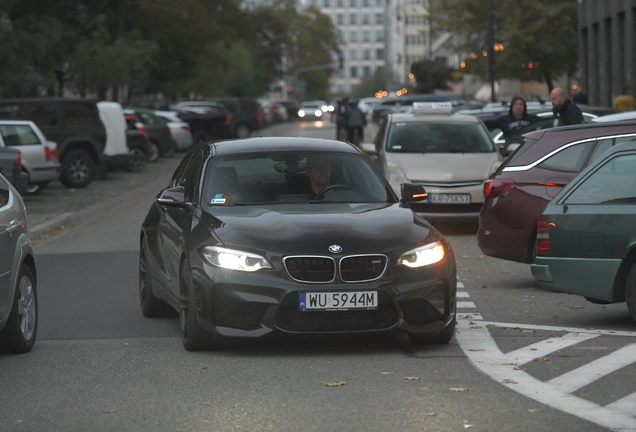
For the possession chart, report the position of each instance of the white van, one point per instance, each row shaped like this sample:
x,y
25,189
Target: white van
x,y
116,150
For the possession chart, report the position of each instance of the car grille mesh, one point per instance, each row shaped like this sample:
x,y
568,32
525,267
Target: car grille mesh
x,y
311,269
362,268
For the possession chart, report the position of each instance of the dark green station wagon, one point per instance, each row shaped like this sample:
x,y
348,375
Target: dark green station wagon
x,y
586,238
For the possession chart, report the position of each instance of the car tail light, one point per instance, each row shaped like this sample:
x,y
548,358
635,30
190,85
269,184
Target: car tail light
x,y
47,153
140,126
543,237
497,187
259,116
186,126
228,119
18,161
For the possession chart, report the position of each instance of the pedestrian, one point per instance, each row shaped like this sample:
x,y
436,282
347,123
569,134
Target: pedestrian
x,y
625,101
564,109
355,123
341,118
516,118
580,98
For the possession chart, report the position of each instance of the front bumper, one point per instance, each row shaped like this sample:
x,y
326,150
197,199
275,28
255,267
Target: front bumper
x,y
240,304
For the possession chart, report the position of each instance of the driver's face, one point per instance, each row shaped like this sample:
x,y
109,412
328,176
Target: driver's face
x,y
319,173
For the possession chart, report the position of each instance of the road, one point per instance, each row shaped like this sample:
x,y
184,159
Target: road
x,y
523,359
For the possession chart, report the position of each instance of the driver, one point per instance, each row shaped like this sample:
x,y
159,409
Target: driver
x,y
318,169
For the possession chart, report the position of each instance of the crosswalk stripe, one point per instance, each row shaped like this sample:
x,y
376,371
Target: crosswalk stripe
x,y
470,316
541,349
465,305
580,377
462,294
626,404
460,285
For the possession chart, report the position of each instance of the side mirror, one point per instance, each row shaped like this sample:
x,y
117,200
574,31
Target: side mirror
x,y
412,192
174,196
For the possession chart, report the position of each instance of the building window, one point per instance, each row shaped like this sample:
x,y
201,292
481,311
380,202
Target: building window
x,y
353,3
353,19
379,18
378,3
366,36
341,88
340,19
366,71
379,54
379,35
354,72
366,19
353,36
339,3
366,3
326,3
353,54
341,73
366,54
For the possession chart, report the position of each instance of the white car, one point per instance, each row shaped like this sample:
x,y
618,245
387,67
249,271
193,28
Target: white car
x,y
112,116
450,155
622,116
39,155
180,130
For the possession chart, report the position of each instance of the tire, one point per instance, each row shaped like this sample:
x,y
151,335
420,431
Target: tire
x,y
18,336
444,337
153,151
36,188
78,169
137,161
151,306
242,131
193,336
630,291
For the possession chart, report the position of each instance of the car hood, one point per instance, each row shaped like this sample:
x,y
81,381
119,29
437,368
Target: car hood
x,y
446,167
312,228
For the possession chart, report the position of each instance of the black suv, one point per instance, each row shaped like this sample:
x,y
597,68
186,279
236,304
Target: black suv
x,y
247,114
74,125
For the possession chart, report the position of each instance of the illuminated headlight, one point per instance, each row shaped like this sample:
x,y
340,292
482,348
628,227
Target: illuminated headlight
x,y
235,259
318,113
331,108
324,108
301,113
423,256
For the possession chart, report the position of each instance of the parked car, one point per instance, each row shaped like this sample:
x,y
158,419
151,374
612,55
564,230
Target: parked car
x,y
18,283
450,155
292,108
517,193
280,112
11,168
112,116
622,116
39,156
75,126
268,111
157,129
247,114
179,129
381,109
140,148
247,253
586,241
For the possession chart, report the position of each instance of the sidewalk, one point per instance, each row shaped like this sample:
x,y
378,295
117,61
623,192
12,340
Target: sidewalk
x,y
57,207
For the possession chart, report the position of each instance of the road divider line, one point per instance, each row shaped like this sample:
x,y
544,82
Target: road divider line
x,y
465,305
541,349
462,294
587,374
626,404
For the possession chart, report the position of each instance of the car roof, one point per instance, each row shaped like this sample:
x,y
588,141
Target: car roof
x,y
583,129
16,122
432,118
270,144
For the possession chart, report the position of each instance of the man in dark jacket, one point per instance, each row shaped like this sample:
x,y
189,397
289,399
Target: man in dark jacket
x,y
355,123
564,109
516,118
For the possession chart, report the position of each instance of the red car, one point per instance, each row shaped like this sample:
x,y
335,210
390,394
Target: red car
x,y
518,192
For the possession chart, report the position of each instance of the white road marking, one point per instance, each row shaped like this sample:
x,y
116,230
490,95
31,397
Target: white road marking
x,y
465,305
460,285
580,377
470,316
483,352
627,404
462,294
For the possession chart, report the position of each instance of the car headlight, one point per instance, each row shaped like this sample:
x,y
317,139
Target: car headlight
x,y
396,176
234,259
301,113
318,113
422,256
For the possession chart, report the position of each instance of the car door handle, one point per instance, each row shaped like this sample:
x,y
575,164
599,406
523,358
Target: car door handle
x,y
11,229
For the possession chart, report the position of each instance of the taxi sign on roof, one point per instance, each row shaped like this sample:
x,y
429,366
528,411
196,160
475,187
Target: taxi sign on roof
x,y
432,107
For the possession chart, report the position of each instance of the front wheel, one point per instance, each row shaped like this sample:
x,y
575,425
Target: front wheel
x,y
193,336
151,305
137,160
242,131
78,169
18,336
630,291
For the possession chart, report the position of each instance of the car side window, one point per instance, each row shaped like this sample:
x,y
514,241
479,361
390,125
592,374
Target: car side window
x,y
613,183
190,176
18,135
601,146
568,160
42,114
80,114
178,174
4,193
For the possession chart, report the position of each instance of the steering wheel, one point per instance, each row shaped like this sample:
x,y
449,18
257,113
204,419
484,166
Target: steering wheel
x,y
329,188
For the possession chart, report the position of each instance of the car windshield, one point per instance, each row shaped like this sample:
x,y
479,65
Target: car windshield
x,y
293,177
442,137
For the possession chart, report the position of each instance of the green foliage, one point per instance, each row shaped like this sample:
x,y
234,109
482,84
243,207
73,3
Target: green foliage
x,y
540,32
431,75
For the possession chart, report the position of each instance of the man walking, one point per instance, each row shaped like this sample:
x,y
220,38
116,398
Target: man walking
x,y
516,118
564,109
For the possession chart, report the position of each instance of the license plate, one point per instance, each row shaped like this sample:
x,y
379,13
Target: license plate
x,y
449,198
339,301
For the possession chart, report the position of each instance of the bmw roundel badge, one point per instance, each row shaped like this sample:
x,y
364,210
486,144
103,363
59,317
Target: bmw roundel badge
x,y
335,249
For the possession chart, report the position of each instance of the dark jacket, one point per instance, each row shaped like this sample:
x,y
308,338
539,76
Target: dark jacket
x,y
568,114
355,117
508,123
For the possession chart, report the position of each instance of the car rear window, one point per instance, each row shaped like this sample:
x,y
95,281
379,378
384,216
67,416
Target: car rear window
x,y
524,147
18,135
443,137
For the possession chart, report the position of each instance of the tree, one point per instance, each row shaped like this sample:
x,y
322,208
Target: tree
x,y
431,75
370,85
539,37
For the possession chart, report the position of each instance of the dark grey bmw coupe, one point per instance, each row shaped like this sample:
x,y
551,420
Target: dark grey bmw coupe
x,y
294,235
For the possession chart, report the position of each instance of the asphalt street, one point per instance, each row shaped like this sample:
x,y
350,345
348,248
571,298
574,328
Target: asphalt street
x,y
523,358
